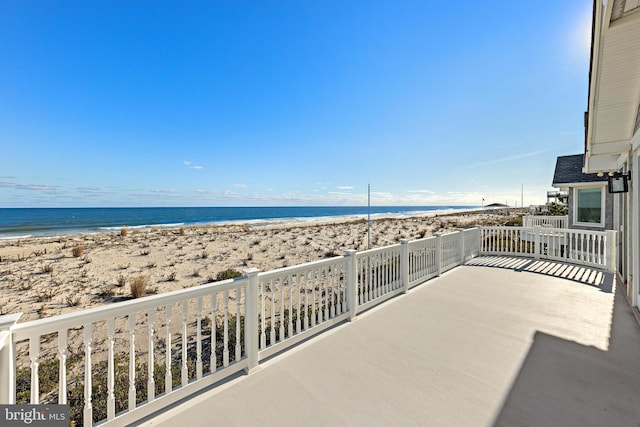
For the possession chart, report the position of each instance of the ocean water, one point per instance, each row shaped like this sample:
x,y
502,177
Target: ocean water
x,y
18,223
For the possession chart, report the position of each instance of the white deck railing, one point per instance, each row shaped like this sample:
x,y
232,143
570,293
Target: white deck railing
x,y
548,221
121,362
590,248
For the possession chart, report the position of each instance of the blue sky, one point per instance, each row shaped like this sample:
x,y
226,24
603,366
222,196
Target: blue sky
x,y
231,103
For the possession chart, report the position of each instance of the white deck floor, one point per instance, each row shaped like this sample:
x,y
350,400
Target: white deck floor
x,y
479,346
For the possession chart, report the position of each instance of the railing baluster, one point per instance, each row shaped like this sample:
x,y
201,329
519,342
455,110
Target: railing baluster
x,y
359,280
199,338
151,382
382,272
34,359
586,252
366,268
238,345
111,398
340,288
512,248
374,277
580,248
600,244
168,375
290,323
272,317
385,273
225,329
132,362
314,288
368,278
306,300
281,302
325,286
62,370
332,285
214,334
377,276
299,306
263,333
184,371
88,408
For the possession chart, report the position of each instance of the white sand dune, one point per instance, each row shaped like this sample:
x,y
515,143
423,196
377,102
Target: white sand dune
x,y
42,277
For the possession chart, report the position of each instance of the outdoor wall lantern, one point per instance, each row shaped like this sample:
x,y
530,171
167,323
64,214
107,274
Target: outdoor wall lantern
x,y
619,182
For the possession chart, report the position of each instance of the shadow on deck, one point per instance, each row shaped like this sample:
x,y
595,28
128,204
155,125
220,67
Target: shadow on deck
x,y
562,382
577,273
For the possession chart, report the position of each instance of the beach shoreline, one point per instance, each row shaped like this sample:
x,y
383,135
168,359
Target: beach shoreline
x,y
24,223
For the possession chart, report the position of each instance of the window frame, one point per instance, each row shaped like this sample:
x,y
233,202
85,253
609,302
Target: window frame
x,y
603,213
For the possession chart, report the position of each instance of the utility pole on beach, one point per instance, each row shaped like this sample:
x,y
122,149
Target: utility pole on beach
x,y
368,216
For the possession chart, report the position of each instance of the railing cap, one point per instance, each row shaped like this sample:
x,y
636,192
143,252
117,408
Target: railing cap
x,y
8,320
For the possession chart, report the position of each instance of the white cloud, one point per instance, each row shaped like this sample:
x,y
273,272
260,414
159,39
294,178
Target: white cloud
x,y
240,185
509,158
163,191
35,187
345,187
203,191
189,164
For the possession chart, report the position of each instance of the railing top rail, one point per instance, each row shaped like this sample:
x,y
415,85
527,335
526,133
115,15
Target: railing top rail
x,y
293,269
452,234
77,319
417,241
377,250
546,216
547,230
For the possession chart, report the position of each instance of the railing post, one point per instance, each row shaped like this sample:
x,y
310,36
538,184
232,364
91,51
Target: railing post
x,y
438,237
7,359
478,240
251,320
481,246
351,283
611,251
462,247
536,241
404,264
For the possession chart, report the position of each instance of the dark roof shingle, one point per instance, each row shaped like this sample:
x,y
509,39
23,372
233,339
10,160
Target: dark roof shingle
x,y
569,170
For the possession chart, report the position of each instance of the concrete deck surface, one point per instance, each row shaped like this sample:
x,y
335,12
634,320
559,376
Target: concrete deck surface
x,y
479,346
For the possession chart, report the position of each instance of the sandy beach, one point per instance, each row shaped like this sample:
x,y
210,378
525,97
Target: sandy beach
x,y
49,276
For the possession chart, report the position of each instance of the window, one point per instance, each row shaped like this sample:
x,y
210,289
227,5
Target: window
x,y
589,206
